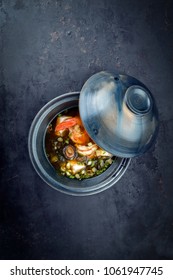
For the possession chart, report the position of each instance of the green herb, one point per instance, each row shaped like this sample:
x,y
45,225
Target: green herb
x,y
67,141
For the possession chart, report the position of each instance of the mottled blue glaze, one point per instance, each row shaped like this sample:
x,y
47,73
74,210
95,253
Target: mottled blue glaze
x,y
119,113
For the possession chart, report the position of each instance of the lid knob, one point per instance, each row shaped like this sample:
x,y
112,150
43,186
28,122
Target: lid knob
x,y
138,100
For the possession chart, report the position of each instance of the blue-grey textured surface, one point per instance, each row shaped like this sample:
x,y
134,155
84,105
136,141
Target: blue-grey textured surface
x,y
52,47
116,115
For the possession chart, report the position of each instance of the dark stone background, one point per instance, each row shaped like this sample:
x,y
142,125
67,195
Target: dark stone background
x,y
51,47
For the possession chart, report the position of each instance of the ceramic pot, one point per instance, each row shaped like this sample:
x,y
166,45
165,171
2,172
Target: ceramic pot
x,y
36,146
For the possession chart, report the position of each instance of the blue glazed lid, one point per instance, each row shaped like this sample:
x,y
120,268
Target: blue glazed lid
x,y
119,113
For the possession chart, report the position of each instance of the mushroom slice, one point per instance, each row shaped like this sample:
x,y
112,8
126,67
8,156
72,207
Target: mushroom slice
x,y
69,152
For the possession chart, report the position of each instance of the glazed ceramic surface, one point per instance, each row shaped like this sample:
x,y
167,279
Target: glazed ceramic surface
x,y
119,113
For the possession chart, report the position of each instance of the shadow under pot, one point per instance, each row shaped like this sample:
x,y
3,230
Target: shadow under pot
x,y
44,168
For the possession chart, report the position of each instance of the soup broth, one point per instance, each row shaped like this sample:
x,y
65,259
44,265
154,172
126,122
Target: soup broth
x,y
70,149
